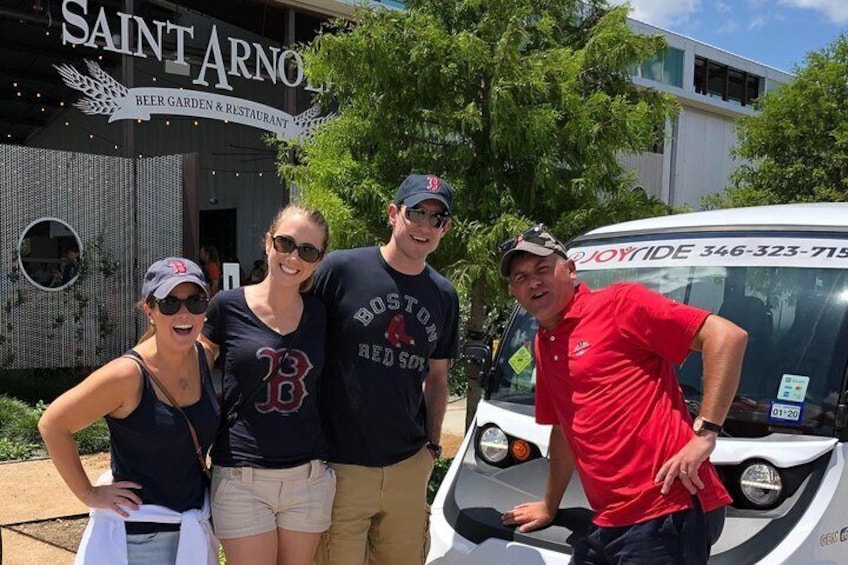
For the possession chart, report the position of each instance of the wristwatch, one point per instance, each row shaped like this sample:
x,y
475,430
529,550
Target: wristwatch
x,y
706,426
435,448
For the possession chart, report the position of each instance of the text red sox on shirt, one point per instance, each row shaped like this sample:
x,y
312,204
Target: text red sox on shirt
x,y
404,310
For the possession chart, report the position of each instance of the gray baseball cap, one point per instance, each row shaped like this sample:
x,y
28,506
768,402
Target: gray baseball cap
x,y
165,274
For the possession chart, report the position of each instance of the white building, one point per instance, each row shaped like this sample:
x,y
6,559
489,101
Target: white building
x,y
713,88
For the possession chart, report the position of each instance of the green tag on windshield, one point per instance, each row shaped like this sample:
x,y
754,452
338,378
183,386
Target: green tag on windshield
x,y
521,359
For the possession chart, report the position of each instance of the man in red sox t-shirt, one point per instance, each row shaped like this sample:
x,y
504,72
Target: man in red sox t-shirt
x,y
605,381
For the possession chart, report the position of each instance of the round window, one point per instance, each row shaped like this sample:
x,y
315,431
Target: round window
x,y
48,253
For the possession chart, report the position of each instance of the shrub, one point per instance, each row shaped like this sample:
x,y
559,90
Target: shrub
x,y
18,422
13,450
94,438
440,468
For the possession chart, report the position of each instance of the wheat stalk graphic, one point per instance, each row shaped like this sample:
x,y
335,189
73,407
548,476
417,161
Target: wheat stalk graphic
x,y
308,120
101,91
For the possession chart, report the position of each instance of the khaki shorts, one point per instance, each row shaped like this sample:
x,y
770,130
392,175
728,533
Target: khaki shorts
x,y
247,501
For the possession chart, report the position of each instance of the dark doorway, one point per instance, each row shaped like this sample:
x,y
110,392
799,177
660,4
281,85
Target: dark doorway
x,y
219,228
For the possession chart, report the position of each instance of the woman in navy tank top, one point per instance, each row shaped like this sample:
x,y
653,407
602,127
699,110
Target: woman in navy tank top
x,y
154,509
272,491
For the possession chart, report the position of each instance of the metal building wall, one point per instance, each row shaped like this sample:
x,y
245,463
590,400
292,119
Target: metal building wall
x,y
91,320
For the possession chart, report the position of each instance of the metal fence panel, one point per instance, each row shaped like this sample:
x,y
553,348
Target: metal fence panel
x,y
91,320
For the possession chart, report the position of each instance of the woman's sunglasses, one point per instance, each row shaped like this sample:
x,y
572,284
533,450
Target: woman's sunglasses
x,y
305,251
170,305
417,216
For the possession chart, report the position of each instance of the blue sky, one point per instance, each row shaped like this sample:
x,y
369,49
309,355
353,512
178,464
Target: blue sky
x,y
777,33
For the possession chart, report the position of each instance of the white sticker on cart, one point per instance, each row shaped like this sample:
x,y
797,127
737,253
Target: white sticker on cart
x,y
714,252
785,411
793,388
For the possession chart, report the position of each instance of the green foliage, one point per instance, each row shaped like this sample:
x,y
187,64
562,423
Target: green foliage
x,y
797,146
11,450
19,436
94,438
18,421
523,106
440,468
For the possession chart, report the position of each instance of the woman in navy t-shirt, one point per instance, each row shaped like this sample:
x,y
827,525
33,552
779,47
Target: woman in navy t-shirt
x,y
272,492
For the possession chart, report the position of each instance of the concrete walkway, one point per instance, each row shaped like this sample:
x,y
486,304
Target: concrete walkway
x,y
32,493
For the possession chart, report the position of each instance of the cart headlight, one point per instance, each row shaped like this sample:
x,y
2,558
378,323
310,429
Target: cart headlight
x,y
492,445
761,484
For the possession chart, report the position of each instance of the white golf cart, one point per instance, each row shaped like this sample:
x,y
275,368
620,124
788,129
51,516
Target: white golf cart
x,y
780,272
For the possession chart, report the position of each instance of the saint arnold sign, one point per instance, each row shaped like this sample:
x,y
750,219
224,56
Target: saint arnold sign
x,y
253,61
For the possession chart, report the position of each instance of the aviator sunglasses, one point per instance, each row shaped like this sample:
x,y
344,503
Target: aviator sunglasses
x,y
170,305
531,234
306,251
417,216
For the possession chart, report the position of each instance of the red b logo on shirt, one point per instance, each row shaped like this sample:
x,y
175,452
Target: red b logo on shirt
x,y
286,387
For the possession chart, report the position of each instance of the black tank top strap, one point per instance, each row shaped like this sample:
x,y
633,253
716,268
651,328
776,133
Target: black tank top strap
x,y
146,385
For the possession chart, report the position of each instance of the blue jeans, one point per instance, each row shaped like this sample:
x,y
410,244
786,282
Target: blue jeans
x,y
674,539
157,548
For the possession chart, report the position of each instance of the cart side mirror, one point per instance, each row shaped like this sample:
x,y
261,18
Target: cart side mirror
x,y
477,358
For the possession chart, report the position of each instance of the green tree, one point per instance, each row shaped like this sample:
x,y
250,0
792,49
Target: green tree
x,y
524,106
796,147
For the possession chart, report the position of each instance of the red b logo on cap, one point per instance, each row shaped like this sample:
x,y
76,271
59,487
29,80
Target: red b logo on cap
x,y
179,267
433,183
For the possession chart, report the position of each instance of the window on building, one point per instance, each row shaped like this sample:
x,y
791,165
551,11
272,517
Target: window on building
x,y
666,68
721,81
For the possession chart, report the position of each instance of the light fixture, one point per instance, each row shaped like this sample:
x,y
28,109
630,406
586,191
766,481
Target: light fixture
x,y
492,445
761,484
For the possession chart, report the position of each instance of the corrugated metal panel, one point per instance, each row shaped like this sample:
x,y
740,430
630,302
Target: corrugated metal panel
x,y
92,319
704,164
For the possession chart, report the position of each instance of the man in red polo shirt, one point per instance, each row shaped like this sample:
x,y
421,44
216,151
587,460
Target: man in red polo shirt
x,y
605,381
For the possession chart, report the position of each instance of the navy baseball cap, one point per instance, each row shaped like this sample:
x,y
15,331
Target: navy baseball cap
x,y
165,274
418,188
538,240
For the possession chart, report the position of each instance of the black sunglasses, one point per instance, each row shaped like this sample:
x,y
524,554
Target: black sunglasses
x,y
529,234
417,215
306,251
170,305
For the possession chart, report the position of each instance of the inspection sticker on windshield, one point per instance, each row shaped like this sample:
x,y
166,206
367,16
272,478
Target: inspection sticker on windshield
x,y
521,359
793,388
785,411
